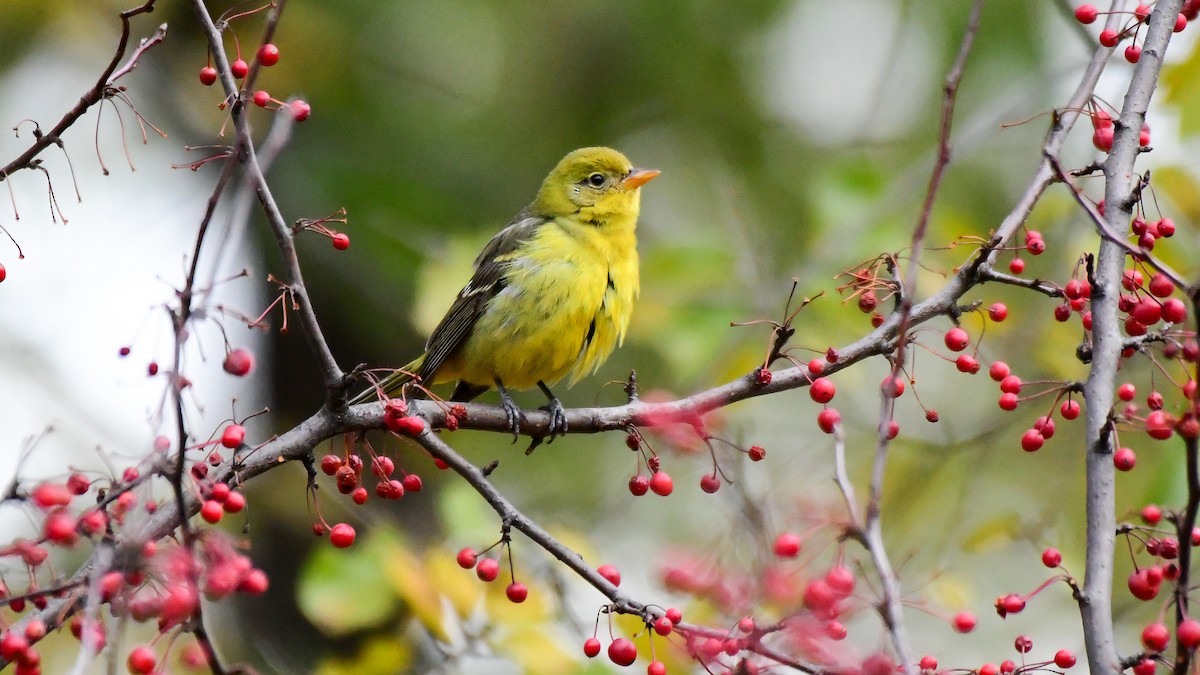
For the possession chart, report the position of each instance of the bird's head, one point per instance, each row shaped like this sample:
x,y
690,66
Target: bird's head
x,y
600,184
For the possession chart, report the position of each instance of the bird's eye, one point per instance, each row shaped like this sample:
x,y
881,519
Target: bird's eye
x,y
596,179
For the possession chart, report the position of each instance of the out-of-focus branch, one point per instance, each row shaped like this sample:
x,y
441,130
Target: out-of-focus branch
x,y
90,97
1095,598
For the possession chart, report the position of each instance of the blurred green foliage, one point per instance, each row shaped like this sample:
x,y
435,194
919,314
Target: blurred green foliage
x,y
784,154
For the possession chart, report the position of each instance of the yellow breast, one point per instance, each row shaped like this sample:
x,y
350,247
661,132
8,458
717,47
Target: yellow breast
x,y
567,299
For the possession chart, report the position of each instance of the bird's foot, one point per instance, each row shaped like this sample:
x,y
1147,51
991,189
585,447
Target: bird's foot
x,y
511,411
558,419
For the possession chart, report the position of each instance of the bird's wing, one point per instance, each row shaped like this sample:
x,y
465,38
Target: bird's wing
x,y
486,282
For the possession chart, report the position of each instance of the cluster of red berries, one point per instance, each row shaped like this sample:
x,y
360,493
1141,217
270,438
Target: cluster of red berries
x,y
1109,37
488,570
348,474
267,56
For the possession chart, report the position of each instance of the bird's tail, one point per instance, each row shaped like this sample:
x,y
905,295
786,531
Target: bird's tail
x,y
390,383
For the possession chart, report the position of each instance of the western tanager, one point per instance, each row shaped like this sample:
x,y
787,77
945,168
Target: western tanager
x,y
552,292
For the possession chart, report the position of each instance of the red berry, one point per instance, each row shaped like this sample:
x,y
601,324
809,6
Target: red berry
x,y
1155,637
892,387
1147,311
238,362
611,573
928,663
1188,633
1133,53
1009,401
998,371
341,241
965,363
208,75
663,626
828,419
1151,514
956,339
330,464
756,453
1161,286
656,668
487,569
841,580
1142,586
516,592
411,425
1124,459
674,614
141,660
1011,385
1174,311
268,54
466,558
1101,118
1126,392
622,652
212,511
1145,667
763,376
1032,440
239,68
1165,227
1084,14
787,545
49,495
591,647
1016,266
998,312
639,485
412,482
820,599
1159,425
1010,604
262,98
300,110
233,435
342,535
710,483
1108,37
661,483
234,503
1063,658
1035,246
1051,558
964,622
1023,644
1069,409
816,367
822,390
1181,22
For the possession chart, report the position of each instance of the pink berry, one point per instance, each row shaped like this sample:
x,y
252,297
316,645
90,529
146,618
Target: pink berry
x,y
1086,13
300,110
238,362
141,660
964,622
661,484
787,545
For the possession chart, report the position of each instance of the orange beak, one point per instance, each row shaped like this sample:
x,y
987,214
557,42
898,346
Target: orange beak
x,y
638,177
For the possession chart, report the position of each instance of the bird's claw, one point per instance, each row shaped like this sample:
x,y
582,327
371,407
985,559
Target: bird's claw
x,y
513,413
558,419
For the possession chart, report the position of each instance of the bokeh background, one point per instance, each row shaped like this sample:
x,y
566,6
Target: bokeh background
x,y
795,140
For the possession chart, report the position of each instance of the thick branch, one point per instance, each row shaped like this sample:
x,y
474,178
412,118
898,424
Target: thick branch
x,y
1095,599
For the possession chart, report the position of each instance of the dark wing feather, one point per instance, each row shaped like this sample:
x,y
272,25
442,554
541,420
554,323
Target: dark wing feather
x,y
472,300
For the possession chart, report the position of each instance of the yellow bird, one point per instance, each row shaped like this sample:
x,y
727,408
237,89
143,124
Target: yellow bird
x,y
552,292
